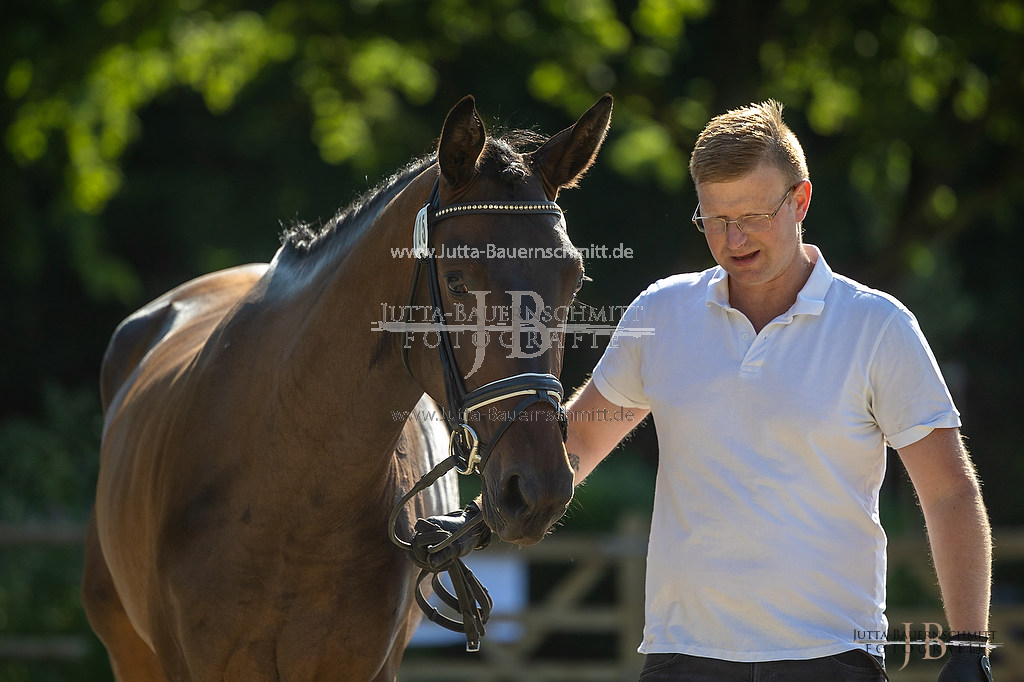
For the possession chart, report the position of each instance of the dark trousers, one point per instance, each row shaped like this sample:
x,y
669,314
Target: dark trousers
x,y
855,666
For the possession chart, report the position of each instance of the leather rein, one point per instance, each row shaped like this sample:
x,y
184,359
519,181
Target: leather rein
x,y
467,453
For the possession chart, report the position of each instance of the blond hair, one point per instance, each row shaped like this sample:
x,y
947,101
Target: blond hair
x,y
737,142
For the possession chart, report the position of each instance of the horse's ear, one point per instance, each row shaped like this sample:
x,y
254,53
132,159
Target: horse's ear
x,y
462,141
564,159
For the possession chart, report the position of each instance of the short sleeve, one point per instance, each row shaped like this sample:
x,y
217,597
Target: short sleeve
x,y
619,372
909,394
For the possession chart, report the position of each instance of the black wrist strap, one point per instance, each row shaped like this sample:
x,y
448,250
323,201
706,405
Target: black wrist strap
x,y
972,644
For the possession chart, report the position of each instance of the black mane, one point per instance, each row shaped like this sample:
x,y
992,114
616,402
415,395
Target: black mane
x,y
502,156
305,237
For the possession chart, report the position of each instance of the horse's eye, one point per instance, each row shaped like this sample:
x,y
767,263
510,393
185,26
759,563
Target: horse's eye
x,y
579,284
456,285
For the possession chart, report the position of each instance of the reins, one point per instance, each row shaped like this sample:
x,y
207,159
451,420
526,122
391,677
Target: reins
x,y
467,454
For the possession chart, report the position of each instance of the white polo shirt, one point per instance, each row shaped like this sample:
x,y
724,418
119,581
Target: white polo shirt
x,y
765,542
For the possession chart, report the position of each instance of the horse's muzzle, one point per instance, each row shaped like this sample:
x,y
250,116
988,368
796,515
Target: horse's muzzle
x,y
524,503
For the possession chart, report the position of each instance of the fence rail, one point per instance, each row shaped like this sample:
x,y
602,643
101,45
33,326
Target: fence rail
x,y
563,618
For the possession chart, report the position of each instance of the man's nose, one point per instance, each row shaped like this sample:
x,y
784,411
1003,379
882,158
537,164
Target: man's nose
x,y
734,236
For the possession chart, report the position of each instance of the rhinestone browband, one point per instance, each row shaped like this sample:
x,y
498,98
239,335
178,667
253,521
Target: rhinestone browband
x,y
536,207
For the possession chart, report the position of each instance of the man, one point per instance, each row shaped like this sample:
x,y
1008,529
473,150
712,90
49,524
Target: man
x,y
774,385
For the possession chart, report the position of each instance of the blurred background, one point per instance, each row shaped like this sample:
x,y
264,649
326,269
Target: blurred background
x,y
146,142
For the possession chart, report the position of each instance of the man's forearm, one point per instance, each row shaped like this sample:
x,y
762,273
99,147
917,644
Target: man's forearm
x,y
961,544
596,426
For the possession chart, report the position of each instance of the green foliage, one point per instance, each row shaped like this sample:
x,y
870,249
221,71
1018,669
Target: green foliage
x,y
39,599
846,71
48,468
48,464
97,117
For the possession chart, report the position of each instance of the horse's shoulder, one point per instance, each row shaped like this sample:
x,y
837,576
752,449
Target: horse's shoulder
x,y
200,302
423,445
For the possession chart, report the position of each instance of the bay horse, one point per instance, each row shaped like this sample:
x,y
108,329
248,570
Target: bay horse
x,y
251,452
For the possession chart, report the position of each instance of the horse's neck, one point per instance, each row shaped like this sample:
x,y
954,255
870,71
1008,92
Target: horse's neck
x,y
343,382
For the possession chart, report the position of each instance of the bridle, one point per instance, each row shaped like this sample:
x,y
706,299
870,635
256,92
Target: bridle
x,y
537,387
467,453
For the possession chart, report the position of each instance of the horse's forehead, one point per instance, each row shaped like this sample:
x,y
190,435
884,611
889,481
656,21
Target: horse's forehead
x,y
514,250
507,179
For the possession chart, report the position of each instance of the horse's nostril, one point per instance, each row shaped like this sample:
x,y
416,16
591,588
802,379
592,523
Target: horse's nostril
x,y
512,497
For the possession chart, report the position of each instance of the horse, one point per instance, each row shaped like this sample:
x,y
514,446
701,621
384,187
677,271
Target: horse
x,y
258,430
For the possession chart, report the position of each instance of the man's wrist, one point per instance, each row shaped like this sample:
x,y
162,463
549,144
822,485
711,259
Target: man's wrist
x,y
969,643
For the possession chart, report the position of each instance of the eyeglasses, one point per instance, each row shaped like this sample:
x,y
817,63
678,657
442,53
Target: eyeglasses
x,y
757,222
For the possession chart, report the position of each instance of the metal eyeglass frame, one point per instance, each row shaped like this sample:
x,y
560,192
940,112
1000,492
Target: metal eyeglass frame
x,y
698,219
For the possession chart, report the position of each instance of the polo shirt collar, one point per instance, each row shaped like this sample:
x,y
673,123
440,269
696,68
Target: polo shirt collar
x,y
810,300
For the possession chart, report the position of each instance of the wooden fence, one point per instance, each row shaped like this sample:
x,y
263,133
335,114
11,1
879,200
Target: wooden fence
x,y
584,618
562,614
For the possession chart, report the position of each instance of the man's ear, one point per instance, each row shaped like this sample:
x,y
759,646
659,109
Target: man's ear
x,y
802,199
